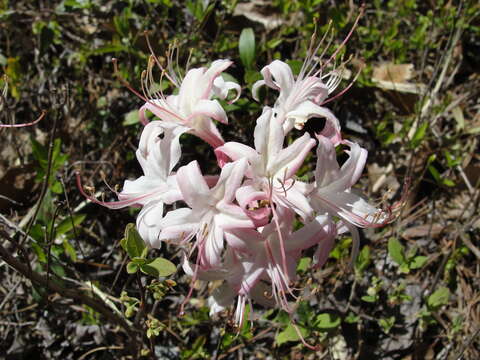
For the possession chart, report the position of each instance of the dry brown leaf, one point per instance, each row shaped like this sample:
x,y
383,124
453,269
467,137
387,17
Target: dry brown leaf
x,y
422,231
395,77
263,12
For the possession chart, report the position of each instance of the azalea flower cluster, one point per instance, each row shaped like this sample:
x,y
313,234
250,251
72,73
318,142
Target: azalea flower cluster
x,y
239,226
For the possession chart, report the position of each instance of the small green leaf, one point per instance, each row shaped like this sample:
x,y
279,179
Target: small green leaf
x,y
272,44
396,251
387,323
474,130
304,264
419,134
132,243
69,249
295,65
404,268
132,268
351,318
327,321
68,224
363,260
139,261
131,118
438,298
251,76
418,262
39,251
370,298
448,182
158,267
246,47
290,334
58,270
435,174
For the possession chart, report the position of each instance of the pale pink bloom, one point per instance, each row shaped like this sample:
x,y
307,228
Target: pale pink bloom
x,y
333,194
271,169
158,153
301,99
211,211
264,253
233,269
193,106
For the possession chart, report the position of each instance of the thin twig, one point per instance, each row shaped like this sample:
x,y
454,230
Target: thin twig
x,y
72,293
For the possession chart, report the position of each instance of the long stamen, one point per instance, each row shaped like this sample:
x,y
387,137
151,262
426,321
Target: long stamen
x,y
129,87
297,330
346,88
335,53
158,62
42,115
311,52
280,237
194,278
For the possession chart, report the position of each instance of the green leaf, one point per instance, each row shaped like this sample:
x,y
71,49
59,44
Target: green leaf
x,y
304,264
351,318
139,261
132,243
387,323
438,298
404,268
448,182
110,48
158,267
69,223
295,65
327,321
39,152
132,268
474,130
70,250
272,44
370,298
305,313
396,251
290,334
227,340
58,270
435,174
418,262
131,118
56,187
363,260
251,76
419,134
246,47
39,251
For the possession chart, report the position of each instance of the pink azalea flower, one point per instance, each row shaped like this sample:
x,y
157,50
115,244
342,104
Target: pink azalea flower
x,y
211,211
252,267
333,194
271,169
300,99
193,106
158,153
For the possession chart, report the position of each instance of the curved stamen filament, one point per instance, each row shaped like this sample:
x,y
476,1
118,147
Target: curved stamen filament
x,y
346,89
42,115
115,204
149,101
171,78
354,26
